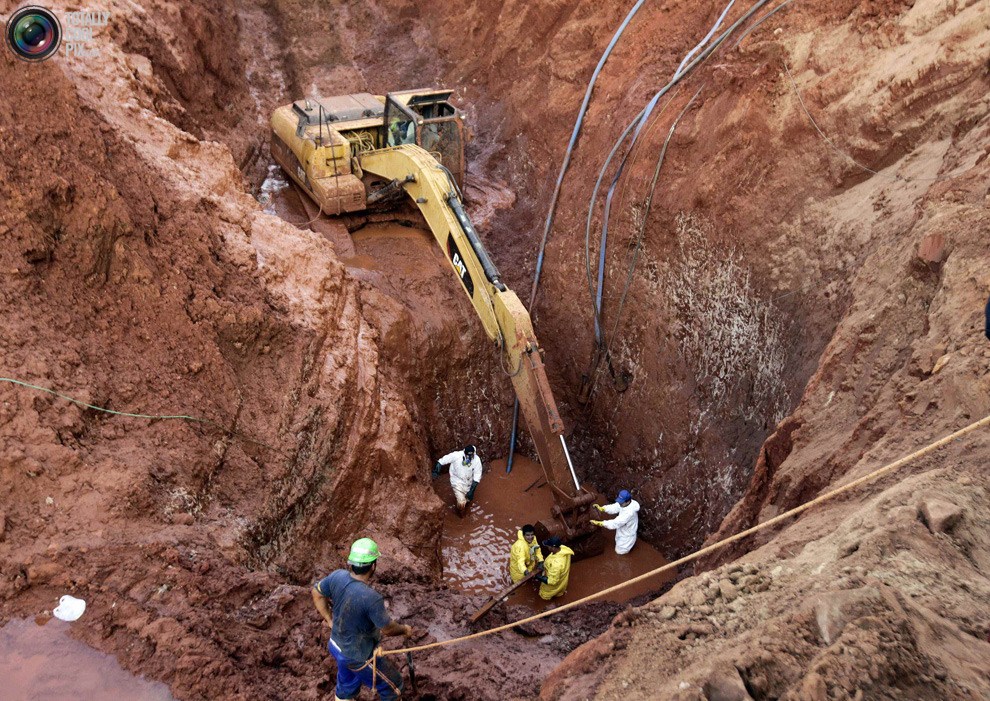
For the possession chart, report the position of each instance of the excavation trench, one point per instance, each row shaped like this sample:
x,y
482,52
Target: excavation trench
x,y
144,276
658,422
475,548
395,259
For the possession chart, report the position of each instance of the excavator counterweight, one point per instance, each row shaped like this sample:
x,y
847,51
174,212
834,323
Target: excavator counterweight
x,y
353,152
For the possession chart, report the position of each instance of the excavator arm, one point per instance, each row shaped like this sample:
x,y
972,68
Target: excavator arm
x,y
503,316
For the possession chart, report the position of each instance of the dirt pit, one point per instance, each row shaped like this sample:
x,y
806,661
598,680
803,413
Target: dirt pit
x,y
476,547
38,660
140,274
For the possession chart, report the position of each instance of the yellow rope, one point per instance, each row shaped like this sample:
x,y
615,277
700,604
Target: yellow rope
x,y
715,546
374,664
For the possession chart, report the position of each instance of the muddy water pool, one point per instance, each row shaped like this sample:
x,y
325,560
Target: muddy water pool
x,y
476,548
44,663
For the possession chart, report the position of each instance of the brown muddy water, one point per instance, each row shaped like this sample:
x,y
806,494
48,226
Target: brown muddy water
x,y
476,548
43,663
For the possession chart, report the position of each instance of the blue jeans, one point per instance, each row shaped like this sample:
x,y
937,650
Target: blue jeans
x,y
352,674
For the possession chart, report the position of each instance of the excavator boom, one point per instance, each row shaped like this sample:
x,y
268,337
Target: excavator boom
x,y
502,314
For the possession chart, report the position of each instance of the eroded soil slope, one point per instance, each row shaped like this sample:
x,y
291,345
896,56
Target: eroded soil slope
x,y
750,252
882,595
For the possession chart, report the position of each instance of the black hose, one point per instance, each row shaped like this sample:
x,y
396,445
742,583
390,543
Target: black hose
x,y
491,272
512,437
570,149
640,122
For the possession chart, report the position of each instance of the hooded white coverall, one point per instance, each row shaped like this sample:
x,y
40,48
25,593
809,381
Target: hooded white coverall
x,y
624,525
461,475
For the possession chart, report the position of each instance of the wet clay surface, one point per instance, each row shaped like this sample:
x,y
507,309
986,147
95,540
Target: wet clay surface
x,y
476,547
42,663
390,256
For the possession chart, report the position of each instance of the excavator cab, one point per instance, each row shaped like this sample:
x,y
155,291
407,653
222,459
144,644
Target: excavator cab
x,y
426,118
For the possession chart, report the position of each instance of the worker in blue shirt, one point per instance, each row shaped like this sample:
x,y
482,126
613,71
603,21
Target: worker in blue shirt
x,y
356,616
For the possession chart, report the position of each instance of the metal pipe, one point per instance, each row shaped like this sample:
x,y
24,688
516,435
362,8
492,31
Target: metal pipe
x,y
512,437
570,464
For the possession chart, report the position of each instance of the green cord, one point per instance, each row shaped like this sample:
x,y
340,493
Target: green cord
x,y
108,411
208,422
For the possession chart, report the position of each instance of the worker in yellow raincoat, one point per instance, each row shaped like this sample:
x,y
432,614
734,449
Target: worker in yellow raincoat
x,y
525,555
556,569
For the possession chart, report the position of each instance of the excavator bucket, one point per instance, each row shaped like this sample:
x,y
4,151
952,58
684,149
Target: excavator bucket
x,y
588,544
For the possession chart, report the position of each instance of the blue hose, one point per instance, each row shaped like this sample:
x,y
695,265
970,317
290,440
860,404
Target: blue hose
x,y
570,147
560,181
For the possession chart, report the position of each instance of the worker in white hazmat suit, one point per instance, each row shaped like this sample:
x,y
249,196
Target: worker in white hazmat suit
x,y
465,474
626,521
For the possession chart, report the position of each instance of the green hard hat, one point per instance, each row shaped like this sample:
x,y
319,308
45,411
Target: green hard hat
x,y
363,552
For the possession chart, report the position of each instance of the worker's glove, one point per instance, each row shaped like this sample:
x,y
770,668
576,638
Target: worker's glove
x,y
597,523
470,494
600,508
542,578
436,470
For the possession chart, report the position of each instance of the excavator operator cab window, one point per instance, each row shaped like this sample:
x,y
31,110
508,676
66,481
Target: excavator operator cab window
x,y
429,121
400,123
401,131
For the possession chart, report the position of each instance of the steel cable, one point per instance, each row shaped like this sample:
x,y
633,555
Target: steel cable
x,y
156,417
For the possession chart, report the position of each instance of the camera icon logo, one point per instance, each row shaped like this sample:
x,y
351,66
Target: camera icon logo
x,y
33,33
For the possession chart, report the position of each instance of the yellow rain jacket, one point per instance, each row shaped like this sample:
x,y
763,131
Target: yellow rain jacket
x,y
557,569
523,557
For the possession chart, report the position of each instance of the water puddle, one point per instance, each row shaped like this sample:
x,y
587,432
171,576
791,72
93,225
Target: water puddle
x,y
476,548
43,663
268,194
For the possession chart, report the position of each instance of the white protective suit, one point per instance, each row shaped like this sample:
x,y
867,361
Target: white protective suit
x,y
461,475
624,525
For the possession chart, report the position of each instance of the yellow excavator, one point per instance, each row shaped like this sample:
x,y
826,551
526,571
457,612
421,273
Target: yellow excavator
x,y
360,152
